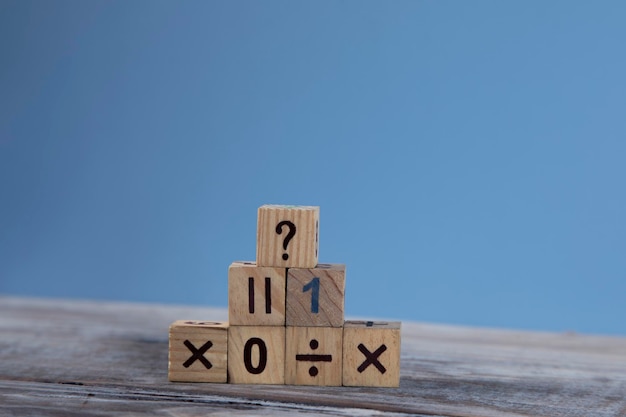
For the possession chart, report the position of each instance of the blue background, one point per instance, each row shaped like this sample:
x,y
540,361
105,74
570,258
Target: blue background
x,y
469,158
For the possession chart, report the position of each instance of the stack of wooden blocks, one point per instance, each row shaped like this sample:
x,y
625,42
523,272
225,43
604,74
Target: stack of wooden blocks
x,y
286,319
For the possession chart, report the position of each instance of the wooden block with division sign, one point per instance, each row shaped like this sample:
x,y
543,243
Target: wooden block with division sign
x,y
371,353
198,351
315,296
256,295
256,354
313,356
288,236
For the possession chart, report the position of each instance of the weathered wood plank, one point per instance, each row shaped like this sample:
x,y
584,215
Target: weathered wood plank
x,y
93,358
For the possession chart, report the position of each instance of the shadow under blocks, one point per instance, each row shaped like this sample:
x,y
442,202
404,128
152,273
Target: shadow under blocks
x,y
286,319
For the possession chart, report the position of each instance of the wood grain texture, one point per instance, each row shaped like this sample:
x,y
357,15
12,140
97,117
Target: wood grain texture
x,y
85,358
330,297
371,353
198,351
314,356
265,304
256,355
302,249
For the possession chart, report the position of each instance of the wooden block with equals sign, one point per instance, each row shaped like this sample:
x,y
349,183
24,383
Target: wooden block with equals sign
x,y
256,295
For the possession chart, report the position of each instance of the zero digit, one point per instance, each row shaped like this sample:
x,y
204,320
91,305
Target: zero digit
x,y
247,355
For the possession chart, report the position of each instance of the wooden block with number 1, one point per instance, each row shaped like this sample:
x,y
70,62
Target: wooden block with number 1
x,y
371,354
315,296
287,236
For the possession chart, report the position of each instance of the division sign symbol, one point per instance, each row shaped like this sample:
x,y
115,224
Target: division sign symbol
x,y
313,371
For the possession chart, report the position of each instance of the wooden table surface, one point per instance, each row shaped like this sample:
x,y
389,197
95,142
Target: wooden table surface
x,y
82,358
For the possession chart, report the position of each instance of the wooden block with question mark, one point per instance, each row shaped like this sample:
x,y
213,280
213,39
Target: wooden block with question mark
x,y
256,295
287,236
315,296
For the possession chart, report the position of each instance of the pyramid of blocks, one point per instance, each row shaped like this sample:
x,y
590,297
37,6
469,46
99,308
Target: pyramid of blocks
x,y
286,319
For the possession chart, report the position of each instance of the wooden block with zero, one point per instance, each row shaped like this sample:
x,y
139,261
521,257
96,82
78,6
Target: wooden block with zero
x,y
256,354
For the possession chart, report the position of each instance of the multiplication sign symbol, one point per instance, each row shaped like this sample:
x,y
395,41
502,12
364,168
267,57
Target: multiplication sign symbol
x,y
314,344
198,354
371,358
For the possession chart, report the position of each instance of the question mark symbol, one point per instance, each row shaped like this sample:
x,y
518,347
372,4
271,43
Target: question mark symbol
x,y
290,235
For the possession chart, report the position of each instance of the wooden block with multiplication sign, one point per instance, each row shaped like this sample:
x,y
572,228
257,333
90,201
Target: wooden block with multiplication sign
x,y
288,236
198,351
256,354
315,296
256,295
371,353
313,356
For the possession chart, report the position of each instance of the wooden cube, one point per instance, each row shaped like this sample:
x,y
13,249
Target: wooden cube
x,y
256,295
287,236
371,354
198,351
315,296
314,356
256,354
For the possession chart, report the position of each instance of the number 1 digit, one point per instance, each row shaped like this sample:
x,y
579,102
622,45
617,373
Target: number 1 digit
x,y
314,286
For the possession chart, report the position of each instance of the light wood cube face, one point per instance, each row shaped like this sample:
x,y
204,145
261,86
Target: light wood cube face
x,y
256,354
315,296
313,356
198,351
371,354
288,236
256,295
